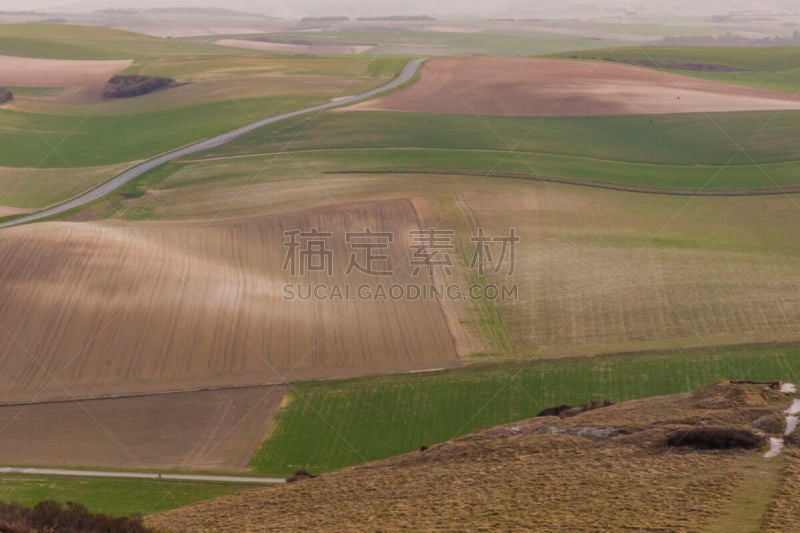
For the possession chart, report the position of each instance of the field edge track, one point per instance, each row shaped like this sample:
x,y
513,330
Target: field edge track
x,y
773,191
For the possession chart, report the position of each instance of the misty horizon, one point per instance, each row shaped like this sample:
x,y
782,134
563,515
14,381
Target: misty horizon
x,y
462,9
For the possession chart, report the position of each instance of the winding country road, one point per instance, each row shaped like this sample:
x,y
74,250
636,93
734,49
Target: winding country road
x,y
408,72
139,475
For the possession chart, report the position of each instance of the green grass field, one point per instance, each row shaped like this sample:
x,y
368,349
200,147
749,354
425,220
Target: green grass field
x,y
48,141
679,139
775,68
84,42
116,497
331,425
686,151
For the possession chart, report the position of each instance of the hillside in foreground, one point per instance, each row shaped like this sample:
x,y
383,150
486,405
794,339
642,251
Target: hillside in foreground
x,y
673,463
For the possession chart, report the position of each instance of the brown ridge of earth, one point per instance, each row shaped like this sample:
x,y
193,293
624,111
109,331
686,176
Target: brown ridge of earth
x,y
793,189
607,469
556,87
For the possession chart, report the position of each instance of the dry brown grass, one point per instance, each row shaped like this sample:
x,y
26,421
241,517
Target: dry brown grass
x,y
548,473
82,80
92,309
204,430
782,514
538,87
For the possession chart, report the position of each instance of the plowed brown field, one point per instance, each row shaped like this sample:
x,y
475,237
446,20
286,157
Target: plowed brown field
x,y
538,87
204,430
82,80
92,309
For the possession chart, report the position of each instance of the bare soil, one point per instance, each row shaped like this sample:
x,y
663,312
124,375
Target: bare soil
x,y
97,308
551,87
203,430
82,80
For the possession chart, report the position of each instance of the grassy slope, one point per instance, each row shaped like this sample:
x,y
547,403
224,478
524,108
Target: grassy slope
x,y
84,42
671,151
769,67
47,141
111,496
443,43
331,425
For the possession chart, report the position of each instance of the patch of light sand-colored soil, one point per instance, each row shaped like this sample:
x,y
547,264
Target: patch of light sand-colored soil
x,y
82,80
297,48
538,87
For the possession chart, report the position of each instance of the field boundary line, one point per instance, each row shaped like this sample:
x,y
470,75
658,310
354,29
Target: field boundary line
x,y
139,475
794,189
479,150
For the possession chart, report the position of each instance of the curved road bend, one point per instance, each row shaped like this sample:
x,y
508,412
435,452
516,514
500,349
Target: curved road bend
x,y
138,475
132,173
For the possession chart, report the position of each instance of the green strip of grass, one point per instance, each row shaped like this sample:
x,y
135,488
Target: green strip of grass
x,y
117,497
336,424
682,139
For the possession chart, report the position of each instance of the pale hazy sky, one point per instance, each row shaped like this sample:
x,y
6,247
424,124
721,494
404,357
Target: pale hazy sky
x,y
447,8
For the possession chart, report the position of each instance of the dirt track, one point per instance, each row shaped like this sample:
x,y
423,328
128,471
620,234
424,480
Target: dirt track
x,y
540,87
591,184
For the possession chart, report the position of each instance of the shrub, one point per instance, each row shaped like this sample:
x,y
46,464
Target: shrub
x,y
70,518
300,474
568,410
715,438
128,86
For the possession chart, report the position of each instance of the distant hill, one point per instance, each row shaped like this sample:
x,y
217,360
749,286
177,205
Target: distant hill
x,y
729,39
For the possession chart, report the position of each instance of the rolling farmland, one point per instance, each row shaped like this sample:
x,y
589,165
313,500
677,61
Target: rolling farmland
x,y
164,326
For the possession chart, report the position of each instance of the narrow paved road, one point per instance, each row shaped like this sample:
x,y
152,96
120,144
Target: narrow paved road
x,y
132,173
138,475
